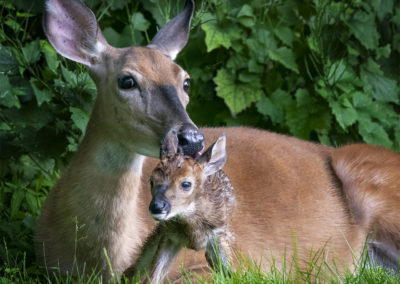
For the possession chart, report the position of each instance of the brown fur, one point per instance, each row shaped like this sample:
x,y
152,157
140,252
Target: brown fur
x,y
198,215
285,188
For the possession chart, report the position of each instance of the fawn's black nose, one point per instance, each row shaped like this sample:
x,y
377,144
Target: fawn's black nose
x,y
191,141
159,206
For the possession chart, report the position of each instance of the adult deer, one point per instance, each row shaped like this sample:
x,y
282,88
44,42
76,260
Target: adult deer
x,y
285,188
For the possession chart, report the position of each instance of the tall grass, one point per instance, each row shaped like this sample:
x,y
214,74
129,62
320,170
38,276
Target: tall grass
x,y
317,270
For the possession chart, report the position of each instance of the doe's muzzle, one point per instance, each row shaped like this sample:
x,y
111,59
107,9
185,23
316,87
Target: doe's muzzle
x,y
191,141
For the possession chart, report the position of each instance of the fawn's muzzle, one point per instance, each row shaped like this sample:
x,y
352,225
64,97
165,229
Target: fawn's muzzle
x,y
191,141
159,206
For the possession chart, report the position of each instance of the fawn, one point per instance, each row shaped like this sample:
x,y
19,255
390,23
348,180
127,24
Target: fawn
x,y
193,199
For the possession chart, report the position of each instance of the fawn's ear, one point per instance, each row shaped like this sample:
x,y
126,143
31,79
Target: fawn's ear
x,y
214,157
72,30
169,145
172,37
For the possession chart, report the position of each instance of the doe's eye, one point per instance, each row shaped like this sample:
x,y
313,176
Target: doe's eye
x,y
186,85
126,82
186,185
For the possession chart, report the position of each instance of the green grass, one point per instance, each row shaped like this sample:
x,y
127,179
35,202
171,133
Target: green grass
x,y
16,270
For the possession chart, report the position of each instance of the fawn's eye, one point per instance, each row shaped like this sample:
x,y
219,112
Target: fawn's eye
x,y
186,185
126,82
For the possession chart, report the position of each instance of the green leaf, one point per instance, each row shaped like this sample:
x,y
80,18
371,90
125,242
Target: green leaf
x,y
307,115
237,96
121,39
275,105
284,34
266,107
69,77
32,201
382,7
118,4
79,117
373,133
348,81
7,97
247,77
383,51
285,56
246,16
363,27
254,67
30,116
31,51
15,26
217,36
51,56
382,88
8,64
345,116
265,37
139,22
336,71
16,200
41,95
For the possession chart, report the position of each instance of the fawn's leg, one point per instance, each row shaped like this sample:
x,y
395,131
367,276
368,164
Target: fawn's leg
x,y
147,255
218,254
165,255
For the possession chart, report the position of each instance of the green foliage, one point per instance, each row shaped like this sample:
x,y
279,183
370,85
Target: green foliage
x,y
321,70
309,66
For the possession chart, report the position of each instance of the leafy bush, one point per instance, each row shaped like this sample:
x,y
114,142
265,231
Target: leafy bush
x,y
320,70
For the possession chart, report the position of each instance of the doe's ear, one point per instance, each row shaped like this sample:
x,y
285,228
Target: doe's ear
x,y
172,37
169,145
72,30
214,158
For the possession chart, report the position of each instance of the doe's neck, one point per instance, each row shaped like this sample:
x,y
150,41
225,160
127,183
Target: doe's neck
x,y
106,154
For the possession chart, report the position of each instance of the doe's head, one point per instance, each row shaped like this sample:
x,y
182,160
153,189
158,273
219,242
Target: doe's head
x,y
177,181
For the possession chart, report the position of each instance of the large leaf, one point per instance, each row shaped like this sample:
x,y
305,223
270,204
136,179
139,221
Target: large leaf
x,y
307,115
8,64
382,7
51,56
30,116
274,106
139,22
345,116
7,97
285,34
246,16
373,133
31,51
217,36
363,27
41,95
79,117
121,39
382,88
237,96
285,56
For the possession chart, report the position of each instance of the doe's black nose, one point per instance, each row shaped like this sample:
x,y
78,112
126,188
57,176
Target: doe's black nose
x,y
191,141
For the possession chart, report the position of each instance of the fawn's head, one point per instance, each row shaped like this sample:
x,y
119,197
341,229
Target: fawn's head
x,y
142,92
178,180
